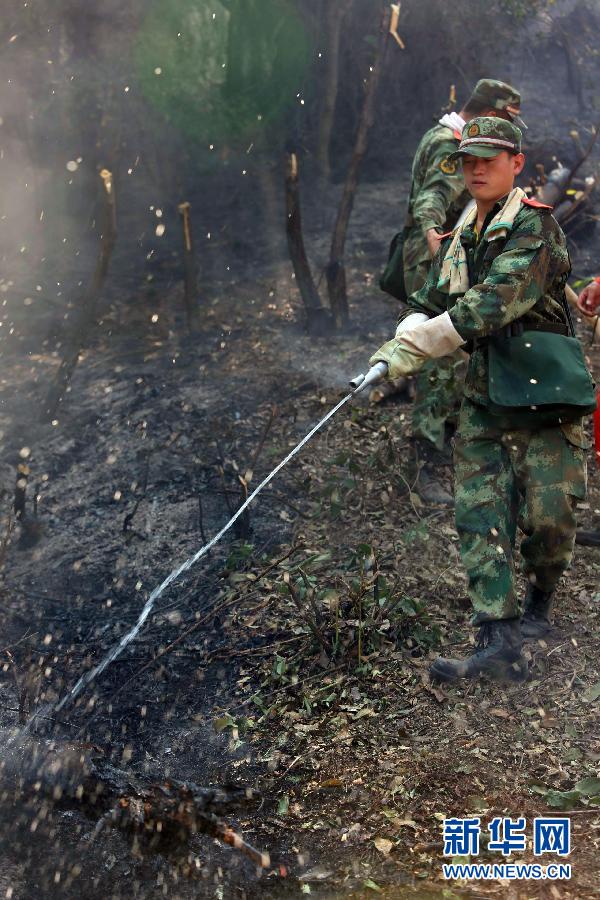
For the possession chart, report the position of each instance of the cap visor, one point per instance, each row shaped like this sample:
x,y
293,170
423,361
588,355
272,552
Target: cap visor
x,y
474,150
518,121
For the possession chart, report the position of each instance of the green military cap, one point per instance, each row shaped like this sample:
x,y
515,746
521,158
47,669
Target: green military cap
x,y
487,136
498,95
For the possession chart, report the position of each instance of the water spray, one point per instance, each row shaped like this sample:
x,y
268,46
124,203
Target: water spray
x,y
358,384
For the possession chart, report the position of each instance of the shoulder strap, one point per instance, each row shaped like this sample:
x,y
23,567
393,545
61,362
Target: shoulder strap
x,y
536,204
567,309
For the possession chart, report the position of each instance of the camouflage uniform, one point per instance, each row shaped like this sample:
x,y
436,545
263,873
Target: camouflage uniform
x,y
504,475
509,473
437,198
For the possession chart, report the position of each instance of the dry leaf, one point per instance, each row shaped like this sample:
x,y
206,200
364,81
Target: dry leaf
x,y
383,845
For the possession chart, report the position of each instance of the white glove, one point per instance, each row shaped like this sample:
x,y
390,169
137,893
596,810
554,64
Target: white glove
x,y
410,321
434,338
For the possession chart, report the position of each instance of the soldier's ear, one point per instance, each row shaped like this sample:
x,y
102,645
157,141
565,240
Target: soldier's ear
x,y
518,163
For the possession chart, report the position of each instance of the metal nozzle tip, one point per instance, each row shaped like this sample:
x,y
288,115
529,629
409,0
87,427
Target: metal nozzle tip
x,y
357,381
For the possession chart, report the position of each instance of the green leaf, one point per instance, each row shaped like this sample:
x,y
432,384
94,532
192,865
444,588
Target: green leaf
x,y
371,885
476,803
538,789
589,787
562,799
592,693
363,551
283,807
222,723
279,666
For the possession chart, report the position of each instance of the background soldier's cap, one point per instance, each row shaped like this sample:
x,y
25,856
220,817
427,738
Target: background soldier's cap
x,y
498,95
487,136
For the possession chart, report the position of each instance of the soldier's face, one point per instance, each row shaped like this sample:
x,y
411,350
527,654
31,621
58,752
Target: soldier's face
x,y
488,180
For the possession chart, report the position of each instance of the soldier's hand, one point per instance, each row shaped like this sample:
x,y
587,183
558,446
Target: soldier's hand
x,y
434,239
399,358
588,301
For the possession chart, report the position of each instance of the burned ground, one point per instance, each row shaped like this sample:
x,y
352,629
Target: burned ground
x,y
294,658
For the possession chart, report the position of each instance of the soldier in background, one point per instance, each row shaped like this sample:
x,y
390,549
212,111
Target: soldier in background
x,y
437,198
588,301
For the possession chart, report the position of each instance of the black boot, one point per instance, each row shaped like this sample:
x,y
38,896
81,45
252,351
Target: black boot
x,y
497,655
536,615
429,463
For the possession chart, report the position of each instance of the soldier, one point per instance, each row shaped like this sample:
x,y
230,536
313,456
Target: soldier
x,y
504,268
588,301
437,198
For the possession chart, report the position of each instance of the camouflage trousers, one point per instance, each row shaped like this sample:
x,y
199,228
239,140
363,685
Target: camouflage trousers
x,y
439,384
508,478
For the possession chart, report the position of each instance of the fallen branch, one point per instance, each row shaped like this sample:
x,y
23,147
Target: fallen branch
x,y
158,816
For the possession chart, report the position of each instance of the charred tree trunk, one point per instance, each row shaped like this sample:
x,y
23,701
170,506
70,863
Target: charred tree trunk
x,y
336,273
190,284
334,16
89,303
317,318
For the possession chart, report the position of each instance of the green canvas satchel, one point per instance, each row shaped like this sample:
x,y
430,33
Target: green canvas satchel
x,y
392,279
539,378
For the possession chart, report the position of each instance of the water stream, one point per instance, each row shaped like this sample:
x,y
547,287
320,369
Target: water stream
x,y
118,648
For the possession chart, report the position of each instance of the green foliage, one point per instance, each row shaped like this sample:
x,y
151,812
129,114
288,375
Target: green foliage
x,y
336,493
522,9
238,555
357,616
593,693
221,71
587,789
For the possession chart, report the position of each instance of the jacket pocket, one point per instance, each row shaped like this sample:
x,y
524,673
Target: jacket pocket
x,y
575,434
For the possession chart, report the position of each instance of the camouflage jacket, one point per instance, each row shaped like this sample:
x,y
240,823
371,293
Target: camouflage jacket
x,y
437,192
521,277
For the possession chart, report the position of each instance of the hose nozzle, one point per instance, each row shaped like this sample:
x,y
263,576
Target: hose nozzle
x,y
375,374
